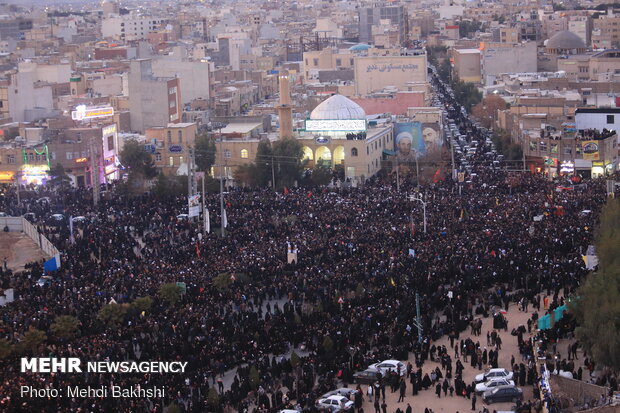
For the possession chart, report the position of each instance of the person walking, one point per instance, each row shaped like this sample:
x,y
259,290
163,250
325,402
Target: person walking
x,y
473,402
377,405
369,392
403,389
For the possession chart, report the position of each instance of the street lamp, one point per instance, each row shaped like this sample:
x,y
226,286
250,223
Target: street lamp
x,y
414,198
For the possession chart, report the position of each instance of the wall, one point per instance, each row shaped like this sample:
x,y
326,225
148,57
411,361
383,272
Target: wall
x,y
597,120
194,76
578,390
396,106
377,72
518,58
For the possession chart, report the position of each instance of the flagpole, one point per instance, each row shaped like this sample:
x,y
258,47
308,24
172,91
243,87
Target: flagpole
x,y
204,209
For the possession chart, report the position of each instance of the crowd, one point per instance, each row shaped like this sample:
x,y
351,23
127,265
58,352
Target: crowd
x,y
346,302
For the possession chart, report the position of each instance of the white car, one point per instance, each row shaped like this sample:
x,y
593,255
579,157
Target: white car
x,y
387,365
491,384
494,373
335,403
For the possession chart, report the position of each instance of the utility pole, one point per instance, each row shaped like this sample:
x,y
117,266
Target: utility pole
x,y
94,170
19,202
273,175
417,316
413,198
397,175
204,207
221,184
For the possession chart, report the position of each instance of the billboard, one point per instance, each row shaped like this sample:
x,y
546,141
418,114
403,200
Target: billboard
x,y
194,205
432,137
332,125
82,112
590,150
408,141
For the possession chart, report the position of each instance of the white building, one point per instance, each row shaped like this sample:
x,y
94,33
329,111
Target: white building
x,y
130,27
194,76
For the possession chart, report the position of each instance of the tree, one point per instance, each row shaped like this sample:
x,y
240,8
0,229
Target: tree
x,y
294,360
142,304
60,179
65,327
328,345
6,348
205,152
321,175
246,175
288,154
32,339
486,111
254,377
504,145
139,162
169,186
466,94
597,307
468,28
264,158
112,315
173,408
213,399
170,292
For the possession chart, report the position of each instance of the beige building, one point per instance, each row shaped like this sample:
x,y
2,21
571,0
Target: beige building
x,y
326,59
375,73
170,145
466,64
606,30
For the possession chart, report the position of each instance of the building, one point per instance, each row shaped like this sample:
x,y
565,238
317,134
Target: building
x,y
375,73
372,16
585,152
194,76
499,58
130,27
153,101
598,118
337,133
169,146
605,31
466,65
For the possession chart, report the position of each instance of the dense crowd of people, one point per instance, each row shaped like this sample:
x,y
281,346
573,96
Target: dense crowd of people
x,y
346,302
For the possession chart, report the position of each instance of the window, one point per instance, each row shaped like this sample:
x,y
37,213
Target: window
x,y
31,156
543,146
171,161
610,119
69,155
37,158
180,137
568,150
52,156
244,154
315,61
111,143
353,151
10,158
172,103
169,137
181,160
227,153
338,62
158,156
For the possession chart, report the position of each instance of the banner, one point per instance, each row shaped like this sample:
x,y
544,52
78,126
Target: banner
x,y
52,264
590,150
224,219
194,205
207,222
408,142
71,237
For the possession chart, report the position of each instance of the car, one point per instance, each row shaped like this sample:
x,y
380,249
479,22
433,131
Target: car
x,y
343,391
3,214
335,403
387,365
183,217
79,219
494,373
491,384
43,281
368,376
57,217
502,394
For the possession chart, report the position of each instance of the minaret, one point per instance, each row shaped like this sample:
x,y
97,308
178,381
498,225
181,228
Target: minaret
x,y
285,111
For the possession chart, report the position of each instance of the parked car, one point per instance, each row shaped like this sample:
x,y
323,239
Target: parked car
x,y
79,219
389,365
502,394
367,376
491,384
183,217
494,373
335,404
3,214
343,391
